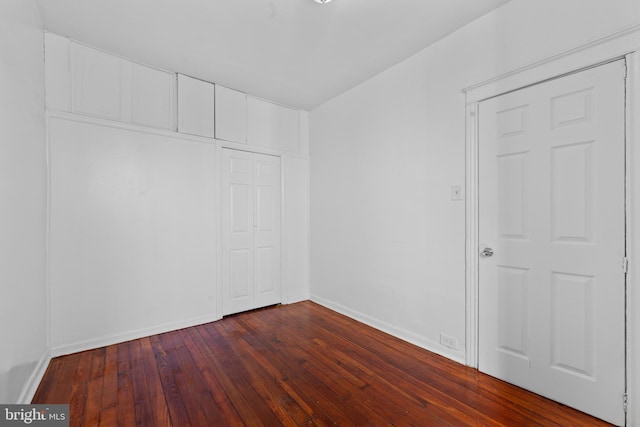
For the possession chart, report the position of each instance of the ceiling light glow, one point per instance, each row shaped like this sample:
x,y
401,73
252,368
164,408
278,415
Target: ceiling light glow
x,y
322,1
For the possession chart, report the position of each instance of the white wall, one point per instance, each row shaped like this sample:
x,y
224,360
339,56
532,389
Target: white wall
x,y
23,199
133,233
295,250
387,242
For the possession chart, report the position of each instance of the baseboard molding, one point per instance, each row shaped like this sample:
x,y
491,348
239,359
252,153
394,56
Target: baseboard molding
x,y
299,298
397,332
64,349
30,388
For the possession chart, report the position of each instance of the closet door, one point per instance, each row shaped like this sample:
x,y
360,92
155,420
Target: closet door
x,y
251,231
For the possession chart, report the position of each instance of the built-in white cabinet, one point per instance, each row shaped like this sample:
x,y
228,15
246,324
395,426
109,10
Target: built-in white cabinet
x,y
271,125
231,115
88,81
98,84
153,97
110,87
57,80
251,210
196,106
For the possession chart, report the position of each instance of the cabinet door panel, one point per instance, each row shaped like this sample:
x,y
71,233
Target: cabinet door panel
x,y
153,97
196,106
96,83
231,115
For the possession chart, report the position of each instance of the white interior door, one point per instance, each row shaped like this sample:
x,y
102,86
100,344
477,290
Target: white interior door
x,y
551,206
251,231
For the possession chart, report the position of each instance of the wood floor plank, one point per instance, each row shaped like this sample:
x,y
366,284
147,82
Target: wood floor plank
x,y
79,389
293,365
168,366
126,413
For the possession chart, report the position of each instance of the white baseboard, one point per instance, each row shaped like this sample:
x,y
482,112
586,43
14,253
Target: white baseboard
x,y
63,349
293,300
397,332
31,386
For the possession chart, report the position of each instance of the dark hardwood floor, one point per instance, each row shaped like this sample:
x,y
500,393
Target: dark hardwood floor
x,y
298,364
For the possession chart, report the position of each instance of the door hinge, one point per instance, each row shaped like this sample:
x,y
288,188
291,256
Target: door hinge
x,y
625,402
625,265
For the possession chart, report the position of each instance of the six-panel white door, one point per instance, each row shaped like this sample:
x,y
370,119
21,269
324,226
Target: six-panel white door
x,y
551,205
251,231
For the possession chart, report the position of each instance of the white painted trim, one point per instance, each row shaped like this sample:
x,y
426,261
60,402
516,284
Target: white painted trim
x,y
80,118
604,49
624,43
105,340
47,279
633,238
250,148
390,329
31,386
295,299
284,291
219,230
471,194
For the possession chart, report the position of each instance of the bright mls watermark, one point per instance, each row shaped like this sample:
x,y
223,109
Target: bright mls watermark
x,y
36,415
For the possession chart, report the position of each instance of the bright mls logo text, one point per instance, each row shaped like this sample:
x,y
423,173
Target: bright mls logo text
x,y
37,414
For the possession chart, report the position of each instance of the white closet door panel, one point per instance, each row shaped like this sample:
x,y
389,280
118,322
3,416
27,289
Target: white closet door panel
x,y
231,115
251,231
237,220
153,97
97,82
196,106
267,230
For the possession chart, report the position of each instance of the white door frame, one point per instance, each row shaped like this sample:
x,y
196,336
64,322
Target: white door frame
x,y
622,44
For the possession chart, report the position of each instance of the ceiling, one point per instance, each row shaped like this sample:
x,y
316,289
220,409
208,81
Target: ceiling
x,y
294,52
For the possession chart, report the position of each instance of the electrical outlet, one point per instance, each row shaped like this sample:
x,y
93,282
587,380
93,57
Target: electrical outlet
x,y
448,341
456,192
